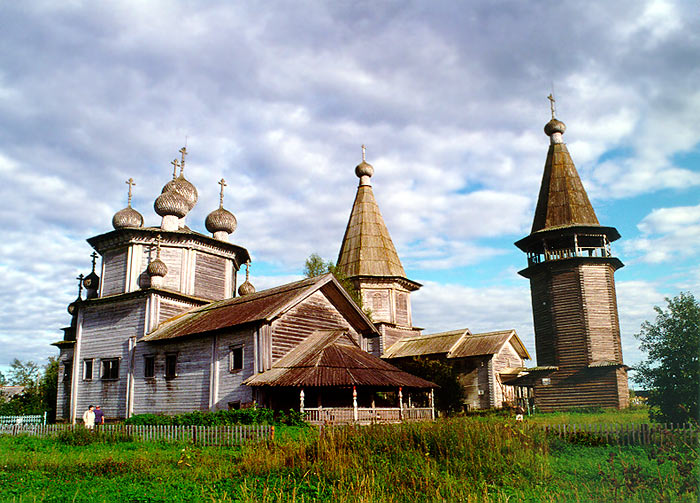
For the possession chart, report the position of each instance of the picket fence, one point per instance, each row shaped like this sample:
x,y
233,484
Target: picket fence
x,y
626,434
31,419
199,435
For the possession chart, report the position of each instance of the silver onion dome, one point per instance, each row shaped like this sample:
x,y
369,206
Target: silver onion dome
x,y
364,169
183,187
554,126
157,268
221,220
127,217
246,288
171,203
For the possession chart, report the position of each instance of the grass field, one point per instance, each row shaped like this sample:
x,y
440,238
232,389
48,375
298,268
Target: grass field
x,y
463,459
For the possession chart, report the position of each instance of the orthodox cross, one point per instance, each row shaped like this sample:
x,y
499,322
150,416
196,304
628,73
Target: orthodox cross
x,y
247,270
80,285
551,103
363,153
95,255
175,164
130,183
223,184
158,239
183,151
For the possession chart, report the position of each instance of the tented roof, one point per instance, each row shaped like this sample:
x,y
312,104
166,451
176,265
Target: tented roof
x,y
333,358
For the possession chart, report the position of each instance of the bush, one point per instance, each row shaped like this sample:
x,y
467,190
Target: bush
x,y
219,418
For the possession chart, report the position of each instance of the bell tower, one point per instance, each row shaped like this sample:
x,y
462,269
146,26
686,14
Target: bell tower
x,y
571,270
369,260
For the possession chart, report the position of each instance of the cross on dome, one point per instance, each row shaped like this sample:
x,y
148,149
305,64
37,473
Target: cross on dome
x,y
363,152
80,284
130,183
95,255
176,164
183,151
551,104
223,184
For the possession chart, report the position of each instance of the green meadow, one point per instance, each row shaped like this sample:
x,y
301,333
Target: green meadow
x,y
469,459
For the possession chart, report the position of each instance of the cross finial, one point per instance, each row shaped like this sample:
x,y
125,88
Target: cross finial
x,y
551,104
175,164
158,240
130,183
223,184
183,151
363,152
80,285
247,270
94,259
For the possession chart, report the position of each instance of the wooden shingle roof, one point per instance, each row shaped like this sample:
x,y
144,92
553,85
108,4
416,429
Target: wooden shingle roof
x,y
562,200
263,305
333,358
367,248
456,344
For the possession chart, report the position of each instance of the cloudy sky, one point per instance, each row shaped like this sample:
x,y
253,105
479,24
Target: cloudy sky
x,y
277,97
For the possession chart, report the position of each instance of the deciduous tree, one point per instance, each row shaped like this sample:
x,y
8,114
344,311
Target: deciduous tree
x,y
671,372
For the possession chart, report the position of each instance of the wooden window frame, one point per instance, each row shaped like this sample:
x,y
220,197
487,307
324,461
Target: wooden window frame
x,y
170,357
232,359
88,362
107,369
149,363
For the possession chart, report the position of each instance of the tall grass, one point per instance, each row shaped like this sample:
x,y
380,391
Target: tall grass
x,y
456,460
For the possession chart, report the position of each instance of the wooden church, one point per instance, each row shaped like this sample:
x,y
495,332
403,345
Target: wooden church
x,y
571,270
161,330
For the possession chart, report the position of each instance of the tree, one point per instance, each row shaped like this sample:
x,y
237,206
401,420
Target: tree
x,y
448,397
3,379
316,266
24,374
671,372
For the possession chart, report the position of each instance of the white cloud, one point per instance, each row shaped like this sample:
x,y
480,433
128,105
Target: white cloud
x,y
667,234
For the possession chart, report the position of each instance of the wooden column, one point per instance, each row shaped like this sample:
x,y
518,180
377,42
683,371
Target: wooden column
x,y
432,404
354,404
400,403
301,400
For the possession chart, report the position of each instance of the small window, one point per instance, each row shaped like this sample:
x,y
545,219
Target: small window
x,y
234,405
236,358
110,369
149,366
67,366
87,369
171,365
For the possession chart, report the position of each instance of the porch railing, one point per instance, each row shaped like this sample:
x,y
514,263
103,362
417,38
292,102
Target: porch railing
x,y
344,415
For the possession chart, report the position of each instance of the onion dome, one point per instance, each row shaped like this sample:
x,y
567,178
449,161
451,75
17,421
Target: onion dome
x,y
127,217
157,268
221,220
91,282
171,203
73,306
246,287
180,184
554,126
364,168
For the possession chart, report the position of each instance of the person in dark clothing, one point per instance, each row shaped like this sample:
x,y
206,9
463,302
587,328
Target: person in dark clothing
x,y
99,416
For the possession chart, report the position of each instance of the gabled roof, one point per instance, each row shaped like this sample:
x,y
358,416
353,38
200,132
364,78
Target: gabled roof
x,y
423,345
562,201
333,358
264,305
367,248
456,344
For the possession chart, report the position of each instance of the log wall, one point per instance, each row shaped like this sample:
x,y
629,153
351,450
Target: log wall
x,y
210,276
315,313
105,333
114,277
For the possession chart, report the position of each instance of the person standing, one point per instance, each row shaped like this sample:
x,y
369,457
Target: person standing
x,y
99,416
89,417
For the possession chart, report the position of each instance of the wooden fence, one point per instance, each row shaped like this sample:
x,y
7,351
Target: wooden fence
x,y
199,435
31,419
626,434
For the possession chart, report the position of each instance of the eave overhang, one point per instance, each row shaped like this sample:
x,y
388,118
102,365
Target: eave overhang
x,y
530,271
532,241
